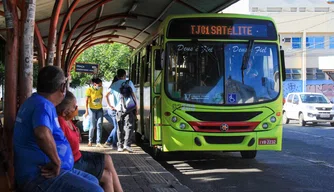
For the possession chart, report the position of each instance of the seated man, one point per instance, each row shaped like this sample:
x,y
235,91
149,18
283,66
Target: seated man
x,y
43,157
97,164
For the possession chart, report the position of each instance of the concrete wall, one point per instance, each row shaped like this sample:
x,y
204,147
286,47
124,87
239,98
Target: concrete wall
x,y
315,86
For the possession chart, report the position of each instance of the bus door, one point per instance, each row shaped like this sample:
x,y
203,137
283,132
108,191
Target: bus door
x,y
156,83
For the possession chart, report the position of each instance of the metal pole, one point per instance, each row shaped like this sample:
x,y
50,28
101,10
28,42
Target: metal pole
x,y
40,47
11,71
62,31
76,25
304,61
53,31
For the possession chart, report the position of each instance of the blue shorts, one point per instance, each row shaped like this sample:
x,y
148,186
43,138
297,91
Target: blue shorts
x,y
91,162
74,180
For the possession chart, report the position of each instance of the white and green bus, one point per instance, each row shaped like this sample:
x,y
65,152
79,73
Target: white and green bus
x,y
210,82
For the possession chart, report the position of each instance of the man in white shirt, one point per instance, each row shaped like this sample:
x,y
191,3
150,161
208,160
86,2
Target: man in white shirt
x,y
125,115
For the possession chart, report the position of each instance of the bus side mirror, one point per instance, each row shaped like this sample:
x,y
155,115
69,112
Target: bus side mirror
x,y
157,55
283,65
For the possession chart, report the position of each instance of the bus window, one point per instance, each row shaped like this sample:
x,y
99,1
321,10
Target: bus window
x,y
134,70
138,70
210,72
260,80
194,70
148,65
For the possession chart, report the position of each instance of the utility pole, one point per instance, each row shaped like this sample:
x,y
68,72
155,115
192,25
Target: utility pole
x,y
53,32
11,69
27,52
304,48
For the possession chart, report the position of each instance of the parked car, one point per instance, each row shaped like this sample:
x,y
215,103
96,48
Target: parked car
x,y
308,107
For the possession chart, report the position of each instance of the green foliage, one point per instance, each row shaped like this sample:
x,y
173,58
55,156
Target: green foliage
x,y
110,57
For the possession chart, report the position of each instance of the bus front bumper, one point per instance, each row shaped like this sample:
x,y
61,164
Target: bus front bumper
x,y
175,140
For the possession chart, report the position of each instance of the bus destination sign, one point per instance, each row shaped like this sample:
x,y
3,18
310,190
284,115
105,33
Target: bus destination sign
x,y
217,28
221,30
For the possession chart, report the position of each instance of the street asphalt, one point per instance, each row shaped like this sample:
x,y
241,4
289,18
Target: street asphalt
x,y
306,164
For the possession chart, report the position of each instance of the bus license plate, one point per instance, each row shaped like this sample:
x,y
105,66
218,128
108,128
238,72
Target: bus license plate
x,y
267,141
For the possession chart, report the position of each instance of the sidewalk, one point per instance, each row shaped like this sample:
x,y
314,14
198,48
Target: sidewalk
x,y
139,172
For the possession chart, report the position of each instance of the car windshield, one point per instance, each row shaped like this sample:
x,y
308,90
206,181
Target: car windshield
x,y
211,72
313,98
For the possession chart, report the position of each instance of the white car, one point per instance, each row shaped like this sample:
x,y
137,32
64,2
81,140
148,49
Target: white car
x,y
308,107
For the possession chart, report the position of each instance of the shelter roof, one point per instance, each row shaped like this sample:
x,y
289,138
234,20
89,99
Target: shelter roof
x,y
124,21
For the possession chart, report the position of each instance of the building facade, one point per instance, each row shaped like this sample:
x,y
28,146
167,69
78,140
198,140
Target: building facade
x,y
306,29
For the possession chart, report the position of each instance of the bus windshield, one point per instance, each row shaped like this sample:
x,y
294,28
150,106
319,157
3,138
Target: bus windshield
x,y
212,72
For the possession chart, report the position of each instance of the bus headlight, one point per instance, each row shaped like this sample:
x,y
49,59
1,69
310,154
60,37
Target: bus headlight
x,y
265,125
273,119
182,125
174,119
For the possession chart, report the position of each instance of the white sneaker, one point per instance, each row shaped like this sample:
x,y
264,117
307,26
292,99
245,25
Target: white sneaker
x,y
129,149
120,149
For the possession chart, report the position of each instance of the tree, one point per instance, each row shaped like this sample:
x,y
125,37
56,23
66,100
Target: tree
x,y
110,57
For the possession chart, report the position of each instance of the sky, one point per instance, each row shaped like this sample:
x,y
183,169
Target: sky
x,y
240,7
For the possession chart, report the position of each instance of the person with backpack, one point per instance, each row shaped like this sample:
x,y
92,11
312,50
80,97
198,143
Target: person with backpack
x,y
125,104
111,118
94,108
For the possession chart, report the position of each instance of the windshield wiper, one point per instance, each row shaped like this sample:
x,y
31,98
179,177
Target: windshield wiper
x,y
246,58
209,53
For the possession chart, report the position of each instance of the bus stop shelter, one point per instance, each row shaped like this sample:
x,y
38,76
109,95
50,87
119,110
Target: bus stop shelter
x,y
57,32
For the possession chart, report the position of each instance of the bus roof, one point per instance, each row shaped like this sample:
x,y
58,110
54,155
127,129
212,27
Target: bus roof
x,y
166,21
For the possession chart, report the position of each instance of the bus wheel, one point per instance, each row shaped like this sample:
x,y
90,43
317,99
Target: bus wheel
x,y
157,154
332,124
285,118
248,154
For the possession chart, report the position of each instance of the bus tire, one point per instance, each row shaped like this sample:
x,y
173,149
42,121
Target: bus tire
x,y
157,154
332,124
248,154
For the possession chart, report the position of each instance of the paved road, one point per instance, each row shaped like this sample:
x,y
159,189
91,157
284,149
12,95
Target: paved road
x,y
305,164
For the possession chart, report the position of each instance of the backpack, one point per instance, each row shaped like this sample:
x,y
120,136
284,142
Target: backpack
x,y
125,90
126,93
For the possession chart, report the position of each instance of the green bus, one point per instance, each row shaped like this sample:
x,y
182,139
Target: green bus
x,y
210,82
